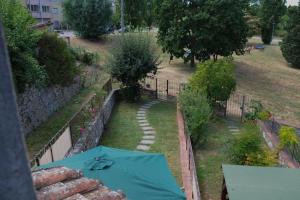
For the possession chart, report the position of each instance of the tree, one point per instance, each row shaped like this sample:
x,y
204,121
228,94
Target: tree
x,y
290,45
133,57
90,18
59,64
198,29
197,112
271,12
22,42
216,79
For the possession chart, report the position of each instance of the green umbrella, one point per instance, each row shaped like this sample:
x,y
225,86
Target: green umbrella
x,y
139,175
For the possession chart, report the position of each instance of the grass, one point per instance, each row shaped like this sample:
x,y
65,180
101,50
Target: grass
x,y
266,76
38,138
210,158
124,132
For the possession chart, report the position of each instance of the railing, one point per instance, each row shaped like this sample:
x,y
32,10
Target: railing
x,y
66,137
162,88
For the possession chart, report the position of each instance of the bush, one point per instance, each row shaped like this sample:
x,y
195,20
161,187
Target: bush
x,y
216,79
266,34
133,56
264,115
86,57
289,140
290,46
89,18
59,63
247,149
197,112
22,41
255,108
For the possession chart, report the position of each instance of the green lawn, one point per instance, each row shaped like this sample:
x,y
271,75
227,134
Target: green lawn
x,y
38,138
123,131
210,158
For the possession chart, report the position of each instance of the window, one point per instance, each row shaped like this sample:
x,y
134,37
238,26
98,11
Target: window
x,y
55,10
35,8
46,9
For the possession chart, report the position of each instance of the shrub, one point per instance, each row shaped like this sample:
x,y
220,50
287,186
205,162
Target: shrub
x,y
289,140
89,18
22,42
86,57
59,63
216,79
197,112
133,56
264,115
290,46
247,149
255,108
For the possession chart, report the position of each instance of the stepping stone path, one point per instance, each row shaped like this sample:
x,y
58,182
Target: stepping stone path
x,y
233,128
148,131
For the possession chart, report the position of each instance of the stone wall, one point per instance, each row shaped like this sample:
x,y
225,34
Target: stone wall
x,y
36,105
91,136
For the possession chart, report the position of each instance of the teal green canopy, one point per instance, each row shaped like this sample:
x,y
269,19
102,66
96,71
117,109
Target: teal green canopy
x,y
139,175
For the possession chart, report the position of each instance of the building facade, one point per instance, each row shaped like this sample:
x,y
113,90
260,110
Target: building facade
x,y
46,11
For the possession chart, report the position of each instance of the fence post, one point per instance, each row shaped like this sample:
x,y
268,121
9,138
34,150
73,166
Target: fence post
x,y
156,89
167,90
243,108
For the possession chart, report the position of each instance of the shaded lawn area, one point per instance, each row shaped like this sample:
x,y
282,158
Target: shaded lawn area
x,y
38,138
124,132
210,158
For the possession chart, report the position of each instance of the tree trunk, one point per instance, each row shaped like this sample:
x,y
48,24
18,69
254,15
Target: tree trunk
x,y
192,60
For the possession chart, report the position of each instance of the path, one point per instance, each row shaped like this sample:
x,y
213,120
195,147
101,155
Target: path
x,y
233,127
149,132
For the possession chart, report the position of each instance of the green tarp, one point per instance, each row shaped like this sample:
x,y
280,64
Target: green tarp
x,y
139,175
261,183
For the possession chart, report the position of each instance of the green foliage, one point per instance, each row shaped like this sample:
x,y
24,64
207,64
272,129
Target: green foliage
x,y
289,140
21,41
133,57
290,45
271,12
247,149
90,18
84,56
59,63
255,108
216,79
264,115
197,112
198,29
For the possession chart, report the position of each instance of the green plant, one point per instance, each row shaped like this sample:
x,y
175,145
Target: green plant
x,y
22,41
197,112
289,140
59,63
255,108
290,45
264,115
271,12
89,18
247,149
84,56
133,56
216,79
187,29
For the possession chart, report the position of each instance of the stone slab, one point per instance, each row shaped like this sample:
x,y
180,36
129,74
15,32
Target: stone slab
x,y
143,147
147,142
149,137
149,132
147,128
141,118
141,112
141,115
144,125
143,121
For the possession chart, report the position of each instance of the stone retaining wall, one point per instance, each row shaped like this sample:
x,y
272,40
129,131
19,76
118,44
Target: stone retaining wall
x,y
91,136
36,105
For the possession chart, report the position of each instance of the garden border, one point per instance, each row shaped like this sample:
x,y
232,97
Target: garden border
x,y
188,167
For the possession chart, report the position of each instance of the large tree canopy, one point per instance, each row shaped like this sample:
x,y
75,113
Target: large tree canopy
x,y
271,12
198,29
90,18
291,42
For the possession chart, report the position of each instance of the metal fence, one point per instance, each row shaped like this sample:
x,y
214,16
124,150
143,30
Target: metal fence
x,y
162,88
66,137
